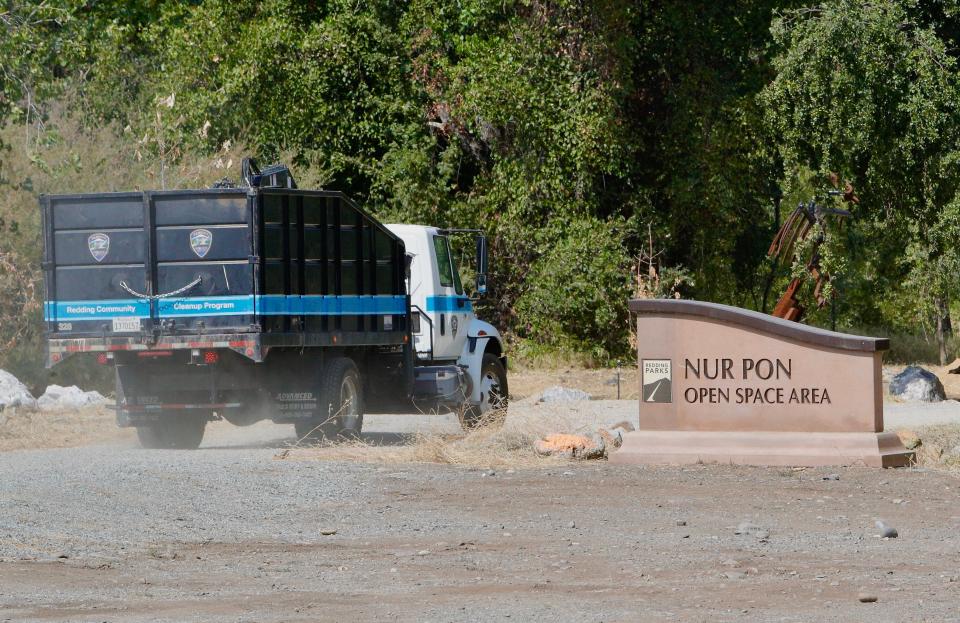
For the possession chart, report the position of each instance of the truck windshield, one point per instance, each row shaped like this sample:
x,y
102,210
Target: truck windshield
x,y
449,276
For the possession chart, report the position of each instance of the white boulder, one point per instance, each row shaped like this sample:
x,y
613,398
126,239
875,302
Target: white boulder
x,y
56,398
558,393
13,393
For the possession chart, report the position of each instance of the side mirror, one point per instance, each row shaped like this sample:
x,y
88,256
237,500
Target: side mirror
x,y
481,264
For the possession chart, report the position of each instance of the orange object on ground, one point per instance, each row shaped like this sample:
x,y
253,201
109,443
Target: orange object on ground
x,y
562,442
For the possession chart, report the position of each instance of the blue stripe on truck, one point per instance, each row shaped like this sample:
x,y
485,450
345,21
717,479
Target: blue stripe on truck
x,y
320,305
268,305
448,304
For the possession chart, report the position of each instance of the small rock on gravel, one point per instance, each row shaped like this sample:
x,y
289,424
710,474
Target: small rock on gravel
x,y
613,439
886,531
747,528
866,598
572,524
328,532
910,439
832,477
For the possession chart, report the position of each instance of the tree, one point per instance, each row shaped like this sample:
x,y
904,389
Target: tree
x,y
869,90
34,45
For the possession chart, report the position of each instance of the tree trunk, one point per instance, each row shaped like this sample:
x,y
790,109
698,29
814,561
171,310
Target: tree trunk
x,y
944,328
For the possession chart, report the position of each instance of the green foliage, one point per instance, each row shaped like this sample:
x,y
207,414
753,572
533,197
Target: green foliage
x,y
869,90
572,132
576,294
506,117
34,47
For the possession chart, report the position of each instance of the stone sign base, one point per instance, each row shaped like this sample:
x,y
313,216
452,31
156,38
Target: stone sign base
x,y
657,447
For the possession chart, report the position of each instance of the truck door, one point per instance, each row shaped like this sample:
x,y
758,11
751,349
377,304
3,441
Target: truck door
x,y
450,310
92,245
202,255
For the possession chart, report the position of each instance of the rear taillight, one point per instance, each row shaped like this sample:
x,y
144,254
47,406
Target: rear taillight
x,y
155,353
211,357
103,359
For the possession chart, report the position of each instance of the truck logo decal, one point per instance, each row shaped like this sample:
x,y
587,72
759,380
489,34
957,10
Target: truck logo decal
x,y
454,325
200,241
99,245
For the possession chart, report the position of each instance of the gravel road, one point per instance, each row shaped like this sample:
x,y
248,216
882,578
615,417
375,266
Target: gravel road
x,y
898,415
230,533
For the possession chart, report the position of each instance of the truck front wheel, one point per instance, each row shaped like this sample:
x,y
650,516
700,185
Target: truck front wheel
x,y
181,431
492,409
341,403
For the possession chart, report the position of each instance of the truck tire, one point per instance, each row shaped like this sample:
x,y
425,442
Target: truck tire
x,y
341,403
494,394
180,431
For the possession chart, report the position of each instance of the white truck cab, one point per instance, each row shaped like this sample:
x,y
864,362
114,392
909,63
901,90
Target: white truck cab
x,y
446,330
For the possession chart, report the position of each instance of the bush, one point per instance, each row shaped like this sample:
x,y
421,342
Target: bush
x,y
576,294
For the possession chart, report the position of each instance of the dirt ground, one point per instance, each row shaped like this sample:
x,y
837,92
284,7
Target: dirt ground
x,y
253,528
20,429
600,384
23,429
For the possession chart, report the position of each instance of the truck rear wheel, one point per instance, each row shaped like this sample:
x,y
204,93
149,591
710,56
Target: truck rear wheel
x,y
494,394
341,403
180,431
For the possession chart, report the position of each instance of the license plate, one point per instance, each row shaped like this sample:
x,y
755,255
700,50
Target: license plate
x,y
126,325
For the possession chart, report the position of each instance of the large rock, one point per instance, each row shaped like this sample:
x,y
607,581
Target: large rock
x,y
558,393
57,398
917,384
13,393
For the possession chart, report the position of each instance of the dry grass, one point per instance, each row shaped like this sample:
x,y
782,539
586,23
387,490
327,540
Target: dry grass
x,y
939,448
489,445
21,428
484,446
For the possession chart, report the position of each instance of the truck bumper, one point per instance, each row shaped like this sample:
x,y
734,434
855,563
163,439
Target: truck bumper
x,y
249,345
444,385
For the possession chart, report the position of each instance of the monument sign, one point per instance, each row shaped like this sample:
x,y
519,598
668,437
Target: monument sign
x,y
723,384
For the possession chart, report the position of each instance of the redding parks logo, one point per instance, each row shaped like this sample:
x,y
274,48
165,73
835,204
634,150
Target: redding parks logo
x,y
657,380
